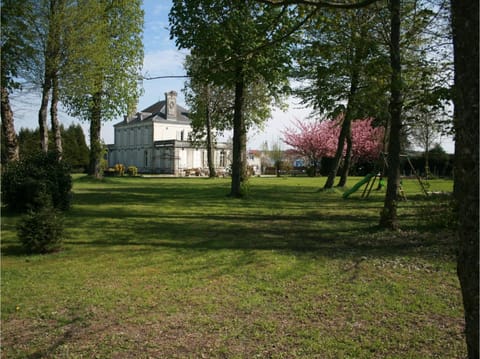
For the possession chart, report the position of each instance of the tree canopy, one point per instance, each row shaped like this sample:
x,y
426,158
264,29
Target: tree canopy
x,y
101,74
108,60
237,44
17,50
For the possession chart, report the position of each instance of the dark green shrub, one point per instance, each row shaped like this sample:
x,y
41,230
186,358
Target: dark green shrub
x,y
36,182
41,231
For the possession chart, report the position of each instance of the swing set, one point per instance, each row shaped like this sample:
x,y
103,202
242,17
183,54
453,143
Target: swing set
x,y
371,178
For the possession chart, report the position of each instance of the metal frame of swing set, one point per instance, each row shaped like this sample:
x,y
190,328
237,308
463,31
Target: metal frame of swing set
x,y
369,186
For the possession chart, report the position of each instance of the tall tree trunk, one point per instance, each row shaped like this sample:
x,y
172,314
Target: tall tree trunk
x,y
210,143
345,133
54,43
346,161
239,138
382,159
8,128
43,113
427,164
95,144
388,218
54,118
50,56
339,152
316,165
465,41
347,121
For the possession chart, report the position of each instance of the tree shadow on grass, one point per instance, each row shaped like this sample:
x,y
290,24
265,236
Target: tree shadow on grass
x,y
302,234
278,218
14,250
196,216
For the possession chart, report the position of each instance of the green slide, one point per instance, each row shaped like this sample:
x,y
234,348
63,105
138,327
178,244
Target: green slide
x,y
358,185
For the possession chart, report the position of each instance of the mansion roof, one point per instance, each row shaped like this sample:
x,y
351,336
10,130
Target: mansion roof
x,y
157,113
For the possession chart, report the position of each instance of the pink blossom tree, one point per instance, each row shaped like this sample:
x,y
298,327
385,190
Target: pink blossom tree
x,y
310,140
315,140
367,141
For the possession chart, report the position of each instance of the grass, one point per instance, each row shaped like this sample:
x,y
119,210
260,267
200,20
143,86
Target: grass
x,y
173,268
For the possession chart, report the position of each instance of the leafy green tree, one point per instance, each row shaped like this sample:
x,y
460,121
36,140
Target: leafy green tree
x,y
344,69
46,36
238,44
393,36
212,107
201,113
54,46
50,38
418,19
465,27
428,75
43,30
16,50
99,80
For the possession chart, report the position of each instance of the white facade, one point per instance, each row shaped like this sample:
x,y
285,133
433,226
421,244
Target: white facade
x,y
155,140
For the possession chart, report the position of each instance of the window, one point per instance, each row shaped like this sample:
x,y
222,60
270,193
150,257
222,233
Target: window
x,y
222,158
145,161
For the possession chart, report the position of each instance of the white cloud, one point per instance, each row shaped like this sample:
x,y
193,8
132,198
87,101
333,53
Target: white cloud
x,y
280,120
164,62
161,9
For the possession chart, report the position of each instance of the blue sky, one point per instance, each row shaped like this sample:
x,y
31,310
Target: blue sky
x,y
162,58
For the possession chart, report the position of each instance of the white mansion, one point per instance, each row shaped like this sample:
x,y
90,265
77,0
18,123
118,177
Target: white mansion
x,y
156,140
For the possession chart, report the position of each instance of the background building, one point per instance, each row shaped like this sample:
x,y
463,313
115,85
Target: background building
x,y
156,140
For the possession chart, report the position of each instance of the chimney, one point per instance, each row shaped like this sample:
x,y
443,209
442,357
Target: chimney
x,y
171,104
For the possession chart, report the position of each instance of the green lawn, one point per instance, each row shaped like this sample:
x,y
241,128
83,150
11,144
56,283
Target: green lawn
x,y
173,268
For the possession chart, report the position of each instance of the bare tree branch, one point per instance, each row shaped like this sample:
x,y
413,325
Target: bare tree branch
x,y
274,41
